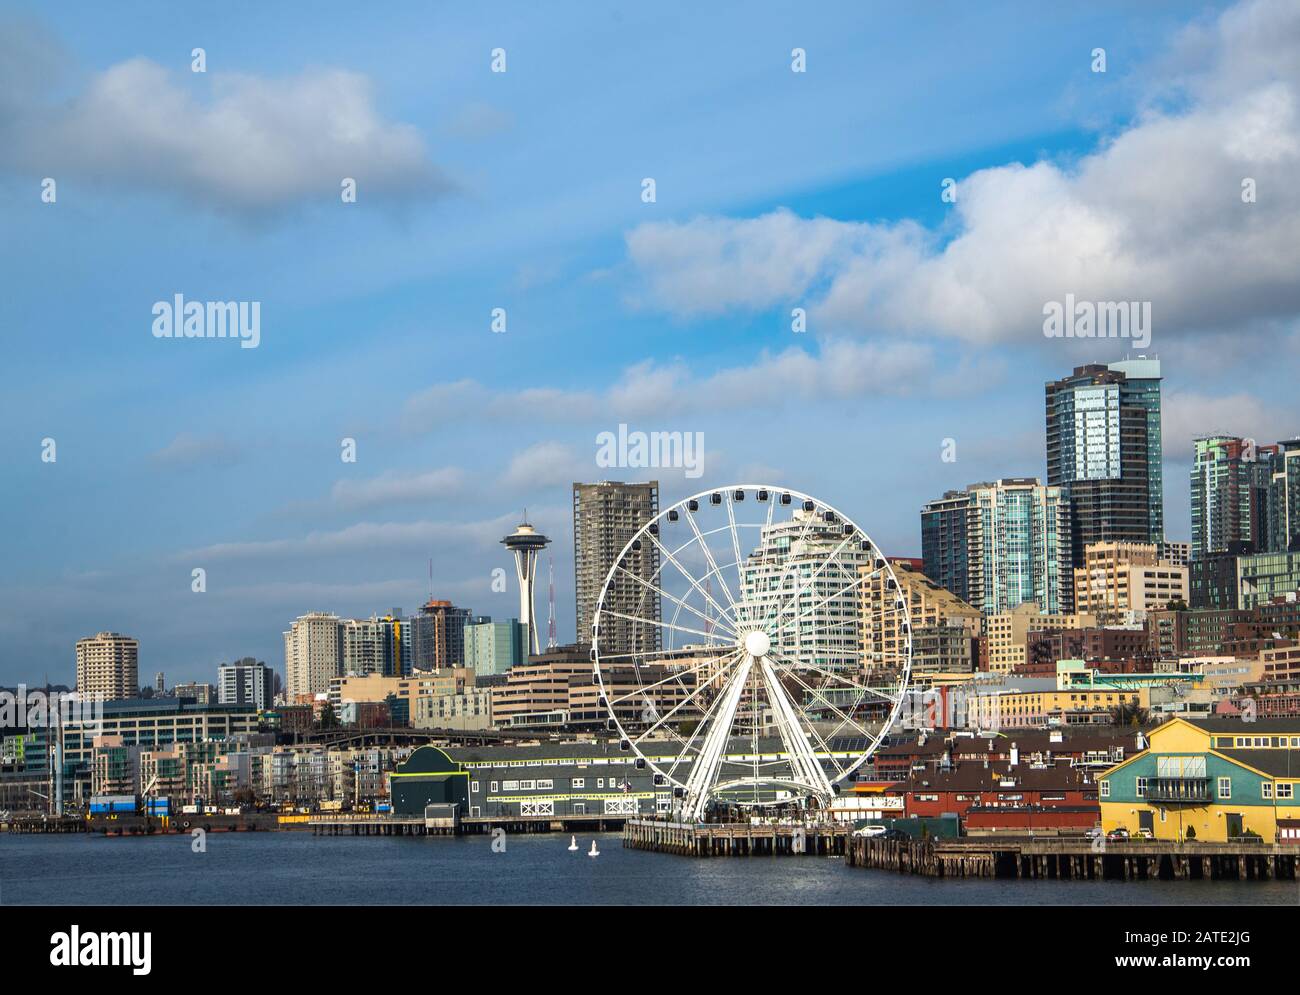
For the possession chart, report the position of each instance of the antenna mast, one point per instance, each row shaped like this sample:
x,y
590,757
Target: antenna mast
x,y
552,640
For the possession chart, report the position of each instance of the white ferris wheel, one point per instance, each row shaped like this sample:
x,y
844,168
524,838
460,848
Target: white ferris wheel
x,y
733,655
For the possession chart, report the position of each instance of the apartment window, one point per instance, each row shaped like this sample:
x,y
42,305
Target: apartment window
x,y
1141,787
525,785
1105,789
1225,787
1285,790
473,785
1267,788
579,782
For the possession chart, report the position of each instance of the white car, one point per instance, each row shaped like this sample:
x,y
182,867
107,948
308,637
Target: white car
x,y
870,831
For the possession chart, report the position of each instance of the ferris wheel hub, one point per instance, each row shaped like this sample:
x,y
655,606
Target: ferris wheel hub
x,y
757,644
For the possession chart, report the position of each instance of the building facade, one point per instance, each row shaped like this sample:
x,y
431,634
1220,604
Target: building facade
x,y
108,665
246,682
437,636
313,654
1118,577
606,515
1104,450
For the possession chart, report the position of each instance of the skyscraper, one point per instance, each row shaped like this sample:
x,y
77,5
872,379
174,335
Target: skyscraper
x,y
108,665
605,517
1104,451
437,635
375,645
1230,481
1284,498
313,654
1014,541
944,531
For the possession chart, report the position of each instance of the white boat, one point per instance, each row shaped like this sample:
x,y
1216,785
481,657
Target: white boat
x,y
593,852
573,842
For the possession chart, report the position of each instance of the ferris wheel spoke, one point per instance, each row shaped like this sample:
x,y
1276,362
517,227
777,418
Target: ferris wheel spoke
x,y
803,719
794,598
675,676
690,577
652,621
713,564
825,601
655,589
789,665
704,721
776,601
699,687
827,702
735,542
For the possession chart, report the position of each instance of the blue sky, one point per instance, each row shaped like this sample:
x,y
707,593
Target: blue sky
x,y
522,190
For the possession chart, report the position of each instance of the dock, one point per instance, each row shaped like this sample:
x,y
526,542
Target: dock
x,y
1061,859
735,839
371,824
27,825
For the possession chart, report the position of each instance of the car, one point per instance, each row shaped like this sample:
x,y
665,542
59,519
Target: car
x,y
870,831
1092,833
1117,834
1145,834
896,836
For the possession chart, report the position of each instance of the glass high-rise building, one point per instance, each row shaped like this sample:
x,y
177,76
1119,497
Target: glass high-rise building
x,y
1104,451
1001,544
1230,479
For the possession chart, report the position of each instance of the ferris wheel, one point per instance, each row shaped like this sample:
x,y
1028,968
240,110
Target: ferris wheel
x,y
752,646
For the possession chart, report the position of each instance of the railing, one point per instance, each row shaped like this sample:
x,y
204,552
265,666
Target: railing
x,y
1179,789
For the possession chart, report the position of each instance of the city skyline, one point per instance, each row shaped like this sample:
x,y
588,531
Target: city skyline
x,y
667,316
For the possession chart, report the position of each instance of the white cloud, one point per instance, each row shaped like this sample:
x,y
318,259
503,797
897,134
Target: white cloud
x,y
839,368
188,449
1187,416
395,488
361,537
546,464
1154,214
242,142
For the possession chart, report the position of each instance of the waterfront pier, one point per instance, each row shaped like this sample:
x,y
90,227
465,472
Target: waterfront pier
x,y
1078,859
735,839
368,824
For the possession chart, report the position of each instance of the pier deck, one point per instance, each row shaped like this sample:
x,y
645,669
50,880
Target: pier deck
x,y
734,839
369,824
1078,859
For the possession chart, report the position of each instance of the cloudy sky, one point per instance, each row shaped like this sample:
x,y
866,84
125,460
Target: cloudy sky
x,y
522,190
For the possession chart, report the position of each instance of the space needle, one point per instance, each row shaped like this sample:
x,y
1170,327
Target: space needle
x,y
526,542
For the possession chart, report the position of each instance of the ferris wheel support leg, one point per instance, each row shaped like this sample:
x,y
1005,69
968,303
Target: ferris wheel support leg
x,y
803,758
704,772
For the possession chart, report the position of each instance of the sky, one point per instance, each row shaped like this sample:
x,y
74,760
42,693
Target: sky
x,y
524,190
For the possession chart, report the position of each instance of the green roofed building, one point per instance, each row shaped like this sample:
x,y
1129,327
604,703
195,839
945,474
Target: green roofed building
x,y
429,777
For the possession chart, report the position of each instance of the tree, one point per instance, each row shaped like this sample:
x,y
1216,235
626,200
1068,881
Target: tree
x,y
1129,713
327,720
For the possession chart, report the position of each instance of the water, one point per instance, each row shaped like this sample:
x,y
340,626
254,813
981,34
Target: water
x,y
293,868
